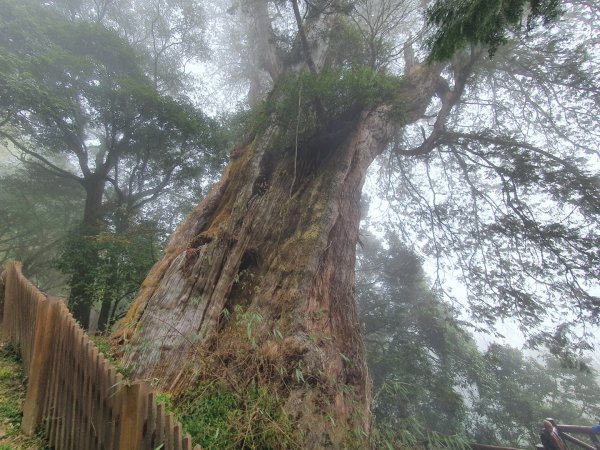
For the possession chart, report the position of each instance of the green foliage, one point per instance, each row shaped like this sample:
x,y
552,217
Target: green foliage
x,y
73,92
12,396
218,416
37,209
482,22
76,90
154,30
50,61
522,392
411,434
343,92
104,345
350,45
10,353
417,354
166,399
110,265
248,319
10,412
429,375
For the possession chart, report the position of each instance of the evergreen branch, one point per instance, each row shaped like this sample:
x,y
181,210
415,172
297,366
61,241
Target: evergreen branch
x,y
453,137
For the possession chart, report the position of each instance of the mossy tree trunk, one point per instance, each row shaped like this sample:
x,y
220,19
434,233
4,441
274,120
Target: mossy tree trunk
x,y
257,283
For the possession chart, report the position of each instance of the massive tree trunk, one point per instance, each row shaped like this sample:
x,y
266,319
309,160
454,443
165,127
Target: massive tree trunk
x,y
257,283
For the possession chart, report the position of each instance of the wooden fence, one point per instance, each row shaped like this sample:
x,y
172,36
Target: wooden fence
x,y
73,392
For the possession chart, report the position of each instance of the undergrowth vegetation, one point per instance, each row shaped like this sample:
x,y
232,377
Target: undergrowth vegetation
x,y
342,92
223,410
12,396
104,346
411,434
218,416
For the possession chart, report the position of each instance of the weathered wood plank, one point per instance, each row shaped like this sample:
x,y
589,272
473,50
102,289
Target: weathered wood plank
x,y
41,363
133,401
160,423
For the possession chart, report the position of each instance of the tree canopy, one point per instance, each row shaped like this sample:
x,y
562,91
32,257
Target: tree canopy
x,y
76,88
483,23
77,103
430,376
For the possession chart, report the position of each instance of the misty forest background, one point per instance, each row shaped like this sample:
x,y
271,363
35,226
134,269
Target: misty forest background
x,y
117,117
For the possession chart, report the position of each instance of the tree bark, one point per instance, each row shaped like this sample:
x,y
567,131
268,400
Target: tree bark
x,y
104,315
79,301
257,282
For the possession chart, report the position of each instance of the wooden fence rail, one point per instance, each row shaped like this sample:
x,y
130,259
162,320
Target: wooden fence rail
x,y
73,392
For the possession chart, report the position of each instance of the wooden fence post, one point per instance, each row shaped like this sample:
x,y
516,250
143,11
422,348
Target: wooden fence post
x,y
42,352
133,411
8,313
2,287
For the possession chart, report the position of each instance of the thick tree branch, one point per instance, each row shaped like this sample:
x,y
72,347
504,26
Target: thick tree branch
x,y
139,199
47,163
263,38
75,145
303,41
119,192
449,98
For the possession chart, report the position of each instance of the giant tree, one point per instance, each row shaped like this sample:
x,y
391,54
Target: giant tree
x,y
256,285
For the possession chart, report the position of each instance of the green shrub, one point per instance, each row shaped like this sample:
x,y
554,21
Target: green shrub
x,y
10,353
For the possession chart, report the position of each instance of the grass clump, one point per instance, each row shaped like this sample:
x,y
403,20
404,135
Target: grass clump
x,y
104,345
11,376
217,416
343,92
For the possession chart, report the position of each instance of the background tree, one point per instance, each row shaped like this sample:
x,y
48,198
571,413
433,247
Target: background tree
x,y
420,359
76,90
167,34
121,261
522,392
35,210
430,377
